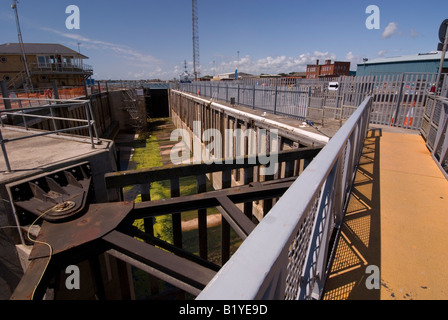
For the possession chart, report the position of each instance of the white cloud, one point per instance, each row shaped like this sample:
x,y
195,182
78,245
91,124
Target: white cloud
x,y
413,33
354,59
138,65
270,64
391,29
381,53
128,54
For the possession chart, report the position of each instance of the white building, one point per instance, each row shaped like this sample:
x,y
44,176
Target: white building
x,y
231,76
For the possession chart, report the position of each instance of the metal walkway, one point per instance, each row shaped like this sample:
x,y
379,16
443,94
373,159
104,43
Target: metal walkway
x,y
397,220
387,211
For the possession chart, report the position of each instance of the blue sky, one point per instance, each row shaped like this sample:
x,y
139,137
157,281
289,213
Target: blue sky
x,y
138,39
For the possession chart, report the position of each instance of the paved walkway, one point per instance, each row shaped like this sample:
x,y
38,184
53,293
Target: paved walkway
x,y
397,219
414,220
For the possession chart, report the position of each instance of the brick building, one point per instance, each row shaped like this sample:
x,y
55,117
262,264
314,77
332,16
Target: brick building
x,y
336,69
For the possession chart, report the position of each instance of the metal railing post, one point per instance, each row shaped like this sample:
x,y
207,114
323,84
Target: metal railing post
x,y
24,120
5,94
238,94
5,155
93,121
90,124
308,103
52,118
253,100
55,89
275,100
397,109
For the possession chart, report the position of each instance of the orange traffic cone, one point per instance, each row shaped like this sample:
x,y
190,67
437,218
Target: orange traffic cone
x,y
409,116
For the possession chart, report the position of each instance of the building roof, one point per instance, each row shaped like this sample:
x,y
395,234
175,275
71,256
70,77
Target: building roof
x,y
408,58
297,74
39,48
233,73
157,85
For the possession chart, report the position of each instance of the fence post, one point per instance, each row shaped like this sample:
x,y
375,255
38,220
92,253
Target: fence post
x,y
397,109
55,89
85,88
5,155
275,100
338,96
253,100
5,94
90,124
238,94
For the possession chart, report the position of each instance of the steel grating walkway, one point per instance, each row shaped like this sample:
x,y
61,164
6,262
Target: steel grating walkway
x,y
397,219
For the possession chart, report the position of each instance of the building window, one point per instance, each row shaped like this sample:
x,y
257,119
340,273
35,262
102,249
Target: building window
x,y
6,77
67,60
3,59
43,61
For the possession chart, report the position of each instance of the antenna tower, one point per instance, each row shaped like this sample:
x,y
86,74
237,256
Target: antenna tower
x,y
196,72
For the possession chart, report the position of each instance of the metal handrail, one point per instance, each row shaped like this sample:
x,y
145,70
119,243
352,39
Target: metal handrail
x,y
435,130
60,67
285,257
59,103
52,68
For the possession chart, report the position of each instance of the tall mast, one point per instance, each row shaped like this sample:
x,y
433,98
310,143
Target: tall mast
x,y
28,75
196,69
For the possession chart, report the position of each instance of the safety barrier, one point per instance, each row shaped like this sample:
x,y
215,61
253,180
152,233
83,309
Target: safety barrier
x,y
42,96
434,130
287,255
398,100
47,112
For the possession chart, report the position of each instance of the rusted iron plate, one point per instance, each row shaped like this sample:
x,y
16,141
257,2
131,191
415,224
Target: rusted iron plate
x,y
95,223
58,196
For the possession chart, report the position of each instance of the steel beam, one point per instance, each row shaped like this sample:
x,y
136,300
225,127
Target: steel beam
x,y
235,217
165,265
132,177
210,199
